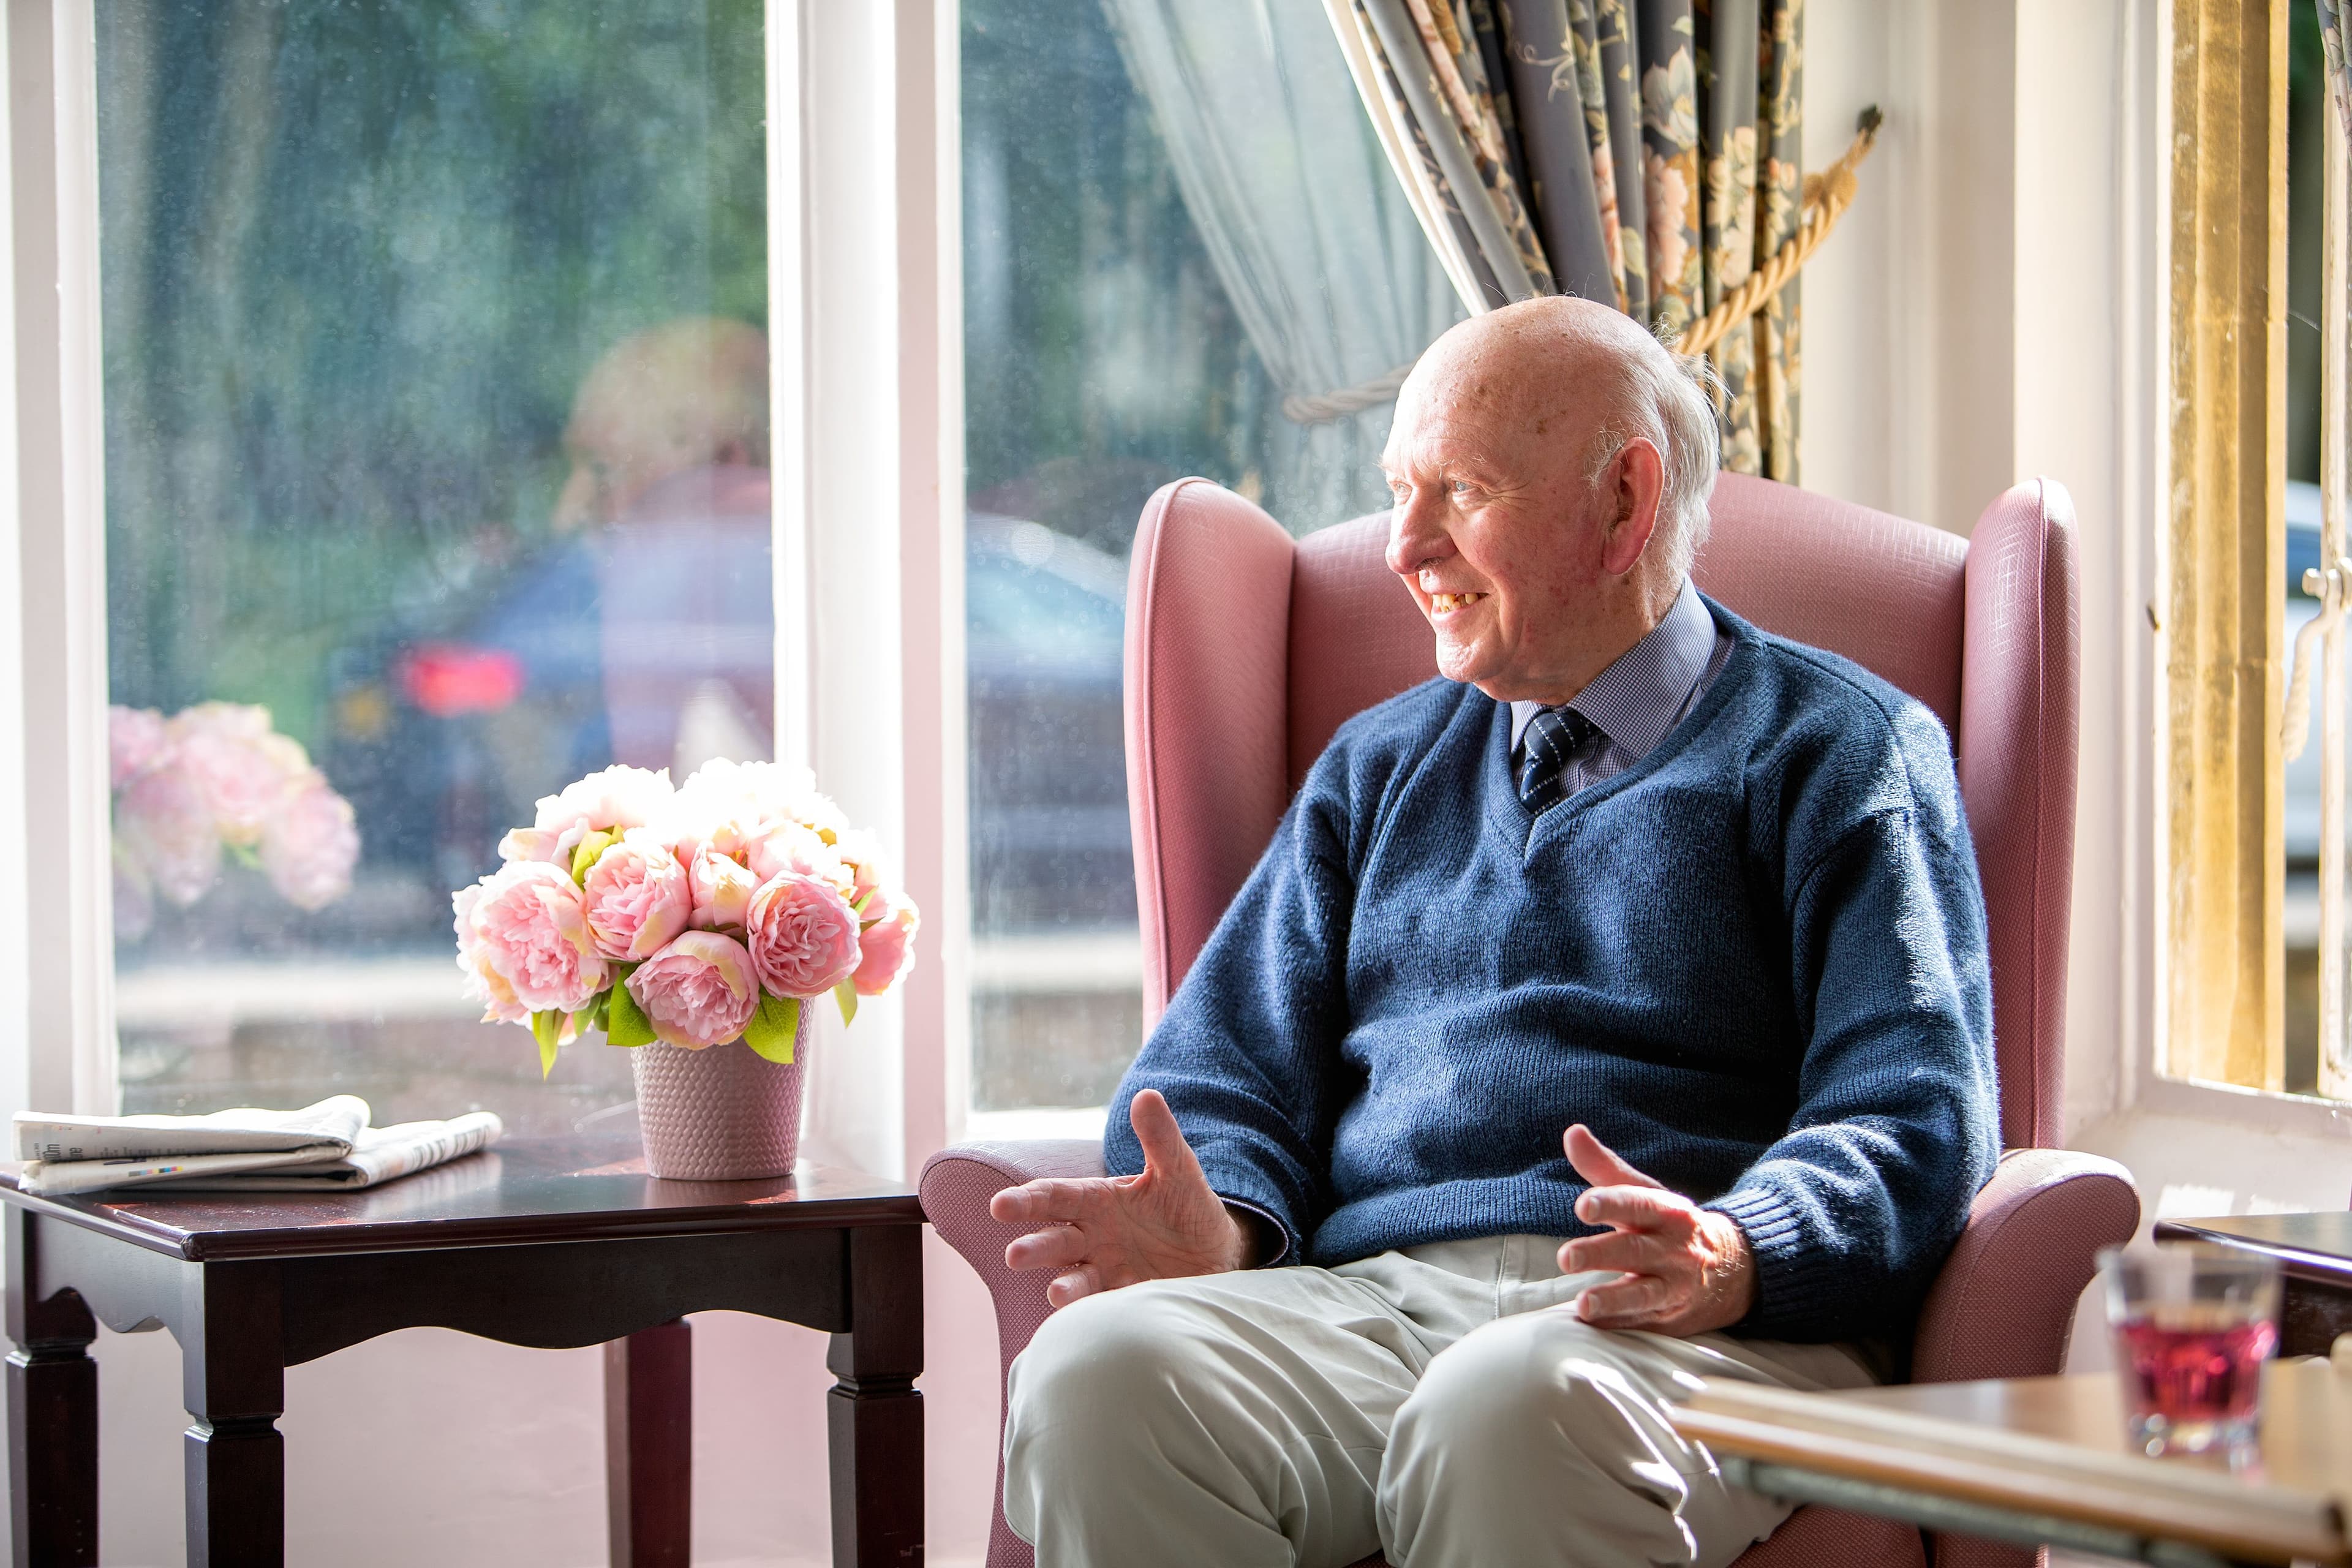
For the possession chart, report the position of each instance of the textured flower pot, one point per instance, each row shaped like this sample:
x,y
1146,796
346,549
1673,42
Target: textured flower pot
x,y
725,1114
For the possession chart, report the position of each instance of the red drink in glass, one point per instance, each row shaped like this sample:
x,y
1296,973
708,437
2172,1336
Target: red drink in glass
x,y
2192,1326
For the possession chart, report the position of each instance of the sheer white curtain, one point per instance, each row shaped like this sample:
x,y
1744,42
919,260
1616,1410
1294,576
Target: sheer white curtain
x,y
1315,242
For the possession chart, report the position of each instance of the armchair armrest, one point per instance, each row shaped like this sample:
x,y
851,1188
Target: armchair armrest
x,y
2005,1304
956,1187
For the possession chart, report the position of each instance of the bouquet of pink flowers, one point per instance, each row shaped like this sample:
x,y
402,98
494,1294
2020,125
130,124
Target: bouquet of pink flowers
x,y
692,916
213,780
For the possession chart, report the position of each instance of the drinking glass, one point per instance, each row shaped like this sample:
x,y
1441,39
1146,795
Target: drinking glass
x,y
2193,1324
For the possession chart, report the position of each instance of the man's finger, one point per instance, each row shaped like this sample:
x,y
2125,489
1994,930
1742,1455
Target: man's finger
x,y
1635,1208
1623,1302
1165,1153
1068,1287
1620,1251
1056,1247
1599,1163
1053,1200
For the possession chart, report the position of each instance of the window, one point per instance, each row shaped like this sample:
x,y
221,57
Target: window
x,y
436,446
1131,304
2255,836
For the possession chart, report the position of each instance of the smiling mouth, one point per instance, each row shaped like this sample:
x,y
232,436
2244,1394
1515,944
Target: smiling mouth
x,y
1442,603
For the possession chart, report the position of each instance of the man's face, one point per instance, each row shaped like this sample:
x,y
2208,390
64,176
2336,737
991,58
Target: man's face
x,y
1499,534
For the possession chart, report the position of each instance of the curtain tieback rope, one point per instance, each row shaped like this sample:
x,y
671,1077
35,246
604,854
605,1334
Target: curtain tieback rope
x,y
1827,195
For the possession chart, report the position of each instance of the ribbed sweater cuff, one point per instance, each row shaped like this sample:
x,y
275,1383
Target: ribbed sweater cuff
x,y
1248,1191
1795,1283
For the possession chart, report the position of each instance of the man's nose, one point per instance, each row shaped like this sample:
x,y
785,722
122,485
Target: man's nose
x,y
1417,532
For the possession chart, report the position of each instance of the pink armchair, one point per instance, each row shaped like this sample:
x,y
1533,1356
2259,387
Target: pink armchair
x,y
1245,649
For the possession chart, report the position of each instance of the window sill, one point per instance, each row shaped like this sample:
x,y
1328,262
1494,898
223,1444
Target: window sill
x,y
1019,1126
2304,1115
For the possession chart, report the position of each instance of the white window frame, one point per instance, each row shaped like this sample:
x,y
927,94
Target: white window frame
x,y
55,893
866,366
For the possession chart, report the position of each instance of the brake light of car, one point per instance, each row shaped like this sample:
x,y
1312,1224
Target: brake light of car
x,y
446,679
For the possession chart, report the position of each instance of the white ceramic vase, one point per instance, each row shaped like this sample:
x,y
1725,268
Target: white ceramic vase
x,y
721,1114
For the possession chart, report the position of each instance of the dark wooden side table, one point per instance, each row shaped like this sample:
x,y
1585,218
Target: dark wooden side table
x,y
2315,1257
545,1242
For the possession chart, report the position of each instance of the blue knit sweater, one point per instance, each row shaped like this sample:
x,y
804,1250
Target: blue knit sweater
x,y
1754,964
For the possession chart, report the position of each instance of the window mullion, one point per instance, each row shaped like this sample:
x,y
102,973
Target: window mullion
x,y
2336,272
59,535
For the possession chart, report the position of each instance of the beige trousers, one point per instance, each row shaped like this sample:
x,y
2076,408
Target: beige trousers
x,y
1440,1405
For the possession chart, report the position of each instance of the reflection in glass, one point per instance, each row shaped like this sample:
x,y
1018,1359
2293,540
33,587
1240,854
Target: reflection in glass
x,y
1167,209
436,428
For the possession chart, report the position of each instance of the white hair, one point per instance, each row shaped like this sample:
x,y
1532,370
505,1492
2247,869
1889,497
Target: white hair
x,y
1669,400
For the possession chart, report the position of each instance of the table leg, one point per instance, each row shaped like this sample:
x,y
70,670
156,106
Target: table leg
x,y
649,1447
52,1413
874,1415
232,1357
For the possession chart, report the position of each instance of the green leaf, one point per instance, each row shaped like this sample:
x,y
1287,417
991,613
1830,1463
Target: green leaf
x,y
626,1024
547,1028
590,849
769,1033
864,899
246,855
845,994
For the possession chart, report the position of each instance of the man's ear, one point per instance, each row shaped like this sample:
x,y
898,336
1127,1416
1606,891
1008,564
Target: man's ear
x,y
1637,482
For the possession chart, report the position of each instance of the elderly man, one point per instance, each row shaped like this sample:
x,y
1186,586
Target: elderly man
x,y
1608,1012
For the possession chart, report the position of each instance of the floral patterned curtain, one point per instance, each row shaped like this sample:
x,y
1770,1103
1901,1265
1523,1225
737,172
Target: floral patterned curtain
x,y
1640,152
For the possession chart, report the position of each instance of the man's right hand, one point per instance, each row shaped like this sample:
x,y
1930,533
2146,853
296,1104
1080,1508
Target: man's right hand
x,y
1105,1232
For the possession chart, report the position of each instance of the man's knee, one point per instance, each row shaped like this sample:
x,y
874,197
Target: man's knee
x,y
1119,1379
1542,1379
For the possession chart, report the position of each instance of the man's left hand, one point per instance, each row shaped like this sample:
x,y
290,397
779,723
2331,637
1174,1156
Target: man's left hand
x,y
1684,1269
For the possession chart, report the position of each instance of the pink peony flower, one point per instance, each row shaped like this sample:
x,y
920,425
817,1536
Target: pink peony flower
x,y
788,845
638,896
167,828
134,742
613,798
861,853
523,943
699,991
722,890
886,950
242,768
309,845
802,935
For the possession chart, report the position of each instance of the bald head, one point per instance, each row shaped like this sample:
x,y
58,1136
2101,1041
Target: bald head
x,y
1552,463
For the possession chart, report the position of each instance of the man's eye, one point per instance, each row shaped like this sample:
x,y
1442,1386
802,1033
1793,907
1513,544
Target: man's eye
x,y
1459,487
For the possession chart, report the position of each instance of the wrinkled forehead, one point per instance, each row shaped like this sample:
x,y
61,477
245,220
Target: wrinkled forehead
x,y
1499,410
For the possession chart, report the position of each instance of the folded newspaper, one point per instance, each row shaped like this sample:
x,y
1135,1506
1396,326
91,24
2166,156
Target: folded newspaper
x,y
323,1148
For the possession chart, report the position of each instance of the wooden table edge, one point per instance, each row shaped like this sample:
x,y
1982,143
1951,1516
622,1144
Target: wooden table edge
x,y
1959,1478
424,1236
2297,1262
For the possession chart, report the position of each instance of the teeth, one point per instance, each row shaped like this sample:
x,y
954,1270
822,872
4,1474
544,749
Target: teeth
x,y
1454,601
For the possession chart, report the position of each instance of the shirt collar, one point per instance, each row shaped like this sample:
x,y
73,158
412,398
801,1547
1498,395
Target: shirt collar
x,y
1637,700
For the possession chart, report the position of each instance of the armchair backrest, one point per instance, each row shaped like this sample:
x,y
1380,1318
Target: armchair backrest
x,y
1245,649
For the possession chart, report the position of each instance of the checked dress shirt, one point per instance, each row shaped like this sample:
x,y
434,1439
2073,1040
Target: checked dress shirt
x,y
1627,710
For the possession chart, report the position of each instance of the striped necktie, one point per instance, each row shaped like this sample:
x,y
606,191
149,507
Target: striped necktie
x,y
1552,739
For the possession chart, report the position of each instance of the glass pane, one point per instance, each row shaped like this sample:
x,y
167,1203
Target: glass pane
x,y
1175,219
429,325
2306,105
